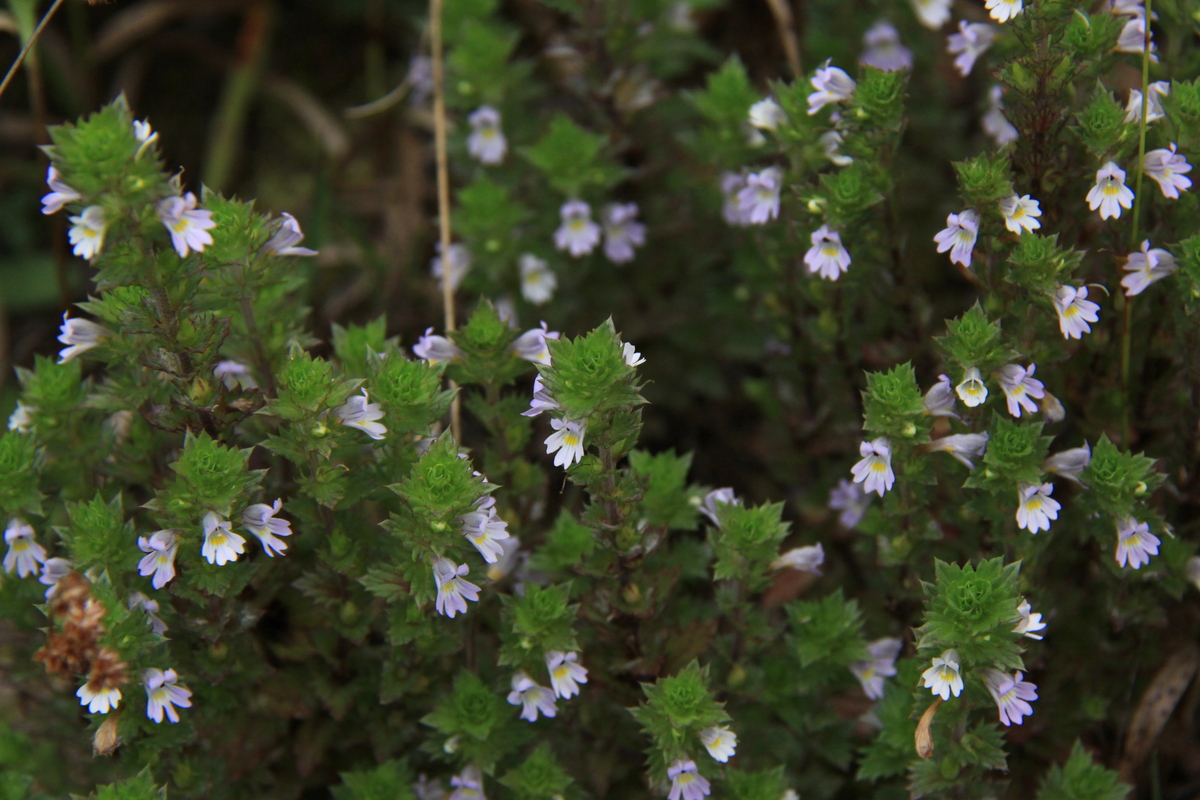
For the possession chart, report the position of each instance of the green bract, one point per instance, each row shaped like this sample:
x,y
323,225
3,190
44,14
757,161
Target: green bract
x,y
972,609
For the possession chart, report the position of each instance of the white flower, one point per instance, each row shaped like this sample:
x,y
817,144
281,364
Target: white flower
x,y
1110,194
566,441
59,195
1135,543
831,141
1030,622
632,357
531,697
942,678
1021,213
138,600
221,544
542,401
260,520
538,282
1020,387
87,233
880,665
971,41
959,236
622,231
759,199
531,345
1070,463
359,412
963,446
732,184
1035,507
163,694
1133,109
804,559
189,227
81,335
98,700
1075,311
24,553
566,673
1167,168
686,782
1012,695
766,115
832,85
874,471
972,390
159,560
484,529
145,135
287,238
723,496
435,349
468,785
53,571
460,264
851,500
1133,38
486,142
939,400
883,48
578,235
932,13
1147,267
234,375
1003,10
452,591
20,420
720,742
827,256
994,123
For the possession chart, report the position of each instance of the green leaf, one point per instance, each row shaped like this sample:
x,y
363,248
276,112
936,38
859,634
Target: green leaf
x,y
570,158
1081,779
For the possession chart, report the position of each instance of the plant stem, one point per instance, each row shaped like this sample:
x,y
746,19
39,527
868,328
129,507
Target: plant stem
x,y
28,46
1127,316
443,188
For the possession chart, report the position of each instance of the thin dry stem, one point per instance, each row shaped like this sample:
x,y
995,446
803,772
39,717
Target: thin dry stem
x,y
443,186
20,59
786,22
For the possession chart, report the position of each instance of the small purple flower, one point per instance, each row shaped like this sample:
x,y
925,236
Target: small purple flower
x,y
435,349
883,48
1167,168
851,500
759,199
60,194
1135,543
1012,695
531,345
971,41
1147,267
460,264
622,232
189,226
164,695
287,237
881,664
723,496
578,235
686,782
486,142
532,698
732,183
832,85
959,236
542,401
1020,387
